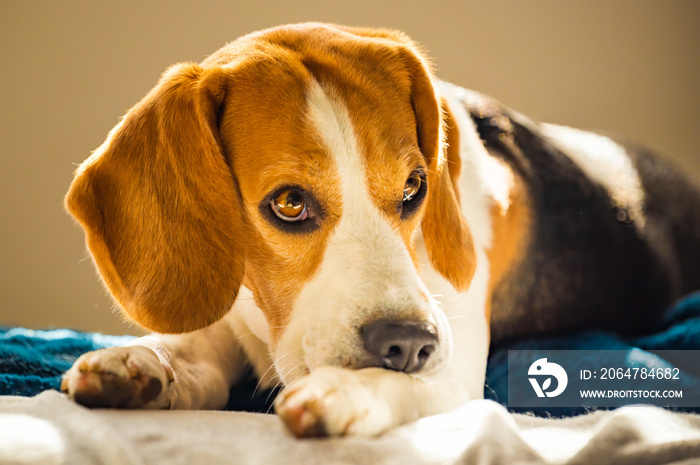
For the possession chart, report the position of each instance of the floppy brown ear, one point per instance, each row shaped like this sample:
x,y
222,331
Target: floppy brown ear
x,y
447,236
160,206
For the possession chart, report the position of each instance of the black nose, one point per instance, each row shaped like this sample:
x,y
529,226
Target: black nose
x,y
400,345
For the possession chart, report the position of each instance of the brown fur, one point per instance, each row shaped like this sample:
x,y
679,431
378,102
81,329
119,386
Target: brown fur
x,y
511,228
170,251
170,202
510,225
447,235
454,160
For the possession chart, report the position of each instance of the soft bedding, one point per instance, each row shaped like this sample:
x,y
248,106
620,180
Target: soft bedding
x,y
47,428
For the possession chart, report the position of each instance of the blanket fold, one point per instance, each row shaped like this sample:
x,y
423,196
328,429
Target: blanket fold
x,y
49,429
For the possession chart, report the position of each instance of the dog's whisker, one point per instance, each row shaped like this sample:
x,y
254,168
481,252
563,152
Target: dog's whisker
x,y
453,298
260,380
278,359
276,362
272,391
245,335
453,306
293,369
297,377
272,365
283,369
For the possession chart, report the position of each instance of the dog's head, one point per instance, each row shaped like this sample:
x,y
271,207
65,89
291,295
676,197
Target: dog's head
x,y
298,161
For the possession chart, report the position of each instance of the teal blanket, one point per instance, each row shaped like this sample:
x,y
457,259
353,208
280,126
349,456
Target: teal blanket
x,y
33,361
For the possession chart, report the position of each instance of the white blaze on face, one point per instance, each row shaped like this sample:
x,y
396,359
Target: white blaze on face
x,y
366,272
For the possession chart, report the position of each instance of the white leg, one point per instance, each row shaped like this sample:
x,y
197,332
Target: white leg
x,y
186,371
334,401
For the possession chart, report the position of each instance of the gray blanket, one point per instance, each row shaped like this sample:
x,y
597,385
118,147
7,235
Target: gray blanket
x,y
48,429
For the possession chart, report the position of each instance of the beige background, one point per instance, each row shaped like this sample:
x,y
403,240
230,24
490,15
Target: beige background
x,y
69,70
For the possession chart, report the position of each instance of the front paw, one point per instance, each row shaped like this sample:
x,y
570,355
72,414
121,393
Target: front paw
x,y
118,377
334,401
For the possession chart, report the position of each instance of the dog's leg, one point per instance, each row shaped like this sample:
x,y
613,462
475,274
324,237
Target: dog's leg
x,y
334,401
186,371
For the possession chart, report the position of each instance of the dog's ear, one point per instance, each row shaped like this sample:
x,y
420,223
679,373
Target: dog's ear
x,y
447,236
161,208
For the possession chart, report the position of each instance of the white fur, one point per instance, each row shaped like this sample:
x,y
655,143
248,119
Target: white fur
x,y
483,183
377,271
366,271
251,315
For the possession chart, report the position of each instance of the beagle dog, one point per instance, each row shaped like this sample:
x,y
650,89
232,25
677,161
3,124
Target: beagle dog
x,y
310,201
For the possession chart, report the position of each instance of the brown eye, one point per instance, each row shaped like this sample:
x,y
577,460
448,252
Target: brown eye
x,y
413,185
289,205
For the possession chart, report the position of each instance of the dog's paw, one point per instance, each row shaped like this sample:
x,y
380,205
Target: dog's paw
x,y
333,401
118,377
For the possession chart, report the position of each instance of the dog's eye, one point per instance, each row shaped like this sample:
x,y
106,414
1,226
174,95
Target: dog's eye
x,y
289,205
413,185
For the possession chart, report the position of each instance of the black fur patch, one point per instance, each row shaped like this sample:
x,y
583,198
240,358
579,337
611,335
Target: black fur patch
x,y
583,267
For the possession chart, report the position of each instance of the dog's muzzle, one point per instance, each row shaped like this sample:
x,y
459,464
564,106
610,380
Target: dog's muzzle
x,y
400,345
